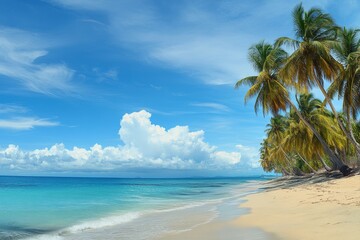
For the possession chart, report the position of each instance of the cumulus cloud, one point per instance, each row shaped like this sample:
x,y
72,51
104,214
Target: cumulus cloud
x,y
251,155
19,53
145,145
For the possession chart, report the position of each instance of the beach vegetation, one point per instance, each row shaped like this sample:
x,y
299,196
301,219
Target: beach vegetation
x,y
306,134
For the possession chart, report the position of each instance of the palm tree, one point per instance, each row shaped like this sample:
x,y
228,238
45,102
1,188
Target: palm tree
x,y
270,92
356,130
312,62
276,128
275,134
274,131
300,139
264,153
347,84
270,161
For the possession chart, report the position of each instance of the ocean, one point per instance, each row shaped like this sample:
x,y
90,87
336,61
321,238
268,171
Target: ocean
x,y
115,208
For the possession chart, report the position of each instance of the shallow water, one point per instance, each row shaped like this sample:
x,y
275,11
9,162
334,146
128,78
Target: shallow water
x,y
103,208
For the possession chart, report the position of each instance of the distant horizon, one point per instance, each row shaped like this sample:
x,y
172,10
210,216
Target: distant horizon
x,y
108,177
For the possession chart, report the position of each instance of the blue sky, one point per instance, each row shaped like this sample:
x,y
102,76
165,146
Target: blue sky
x,y
72,70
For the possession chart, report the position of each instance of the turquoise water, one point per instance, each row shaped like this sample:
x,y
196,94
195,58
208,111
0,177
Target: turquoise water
x,y
48,206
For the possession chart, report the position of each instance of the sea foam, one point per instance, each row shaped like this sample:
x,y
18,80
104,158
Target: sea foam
x,y
103,222
88,225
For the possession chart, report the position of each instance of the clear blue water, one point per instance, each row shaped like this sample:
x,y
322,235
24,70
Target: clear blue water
x,y
32,206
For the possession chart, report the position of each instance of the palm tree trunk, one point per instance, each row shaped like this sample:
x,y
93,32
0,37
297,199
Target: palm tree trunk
x,y
333,158
289,164
343,155
342,127
327,168
311,168
348,122
285,172
294,169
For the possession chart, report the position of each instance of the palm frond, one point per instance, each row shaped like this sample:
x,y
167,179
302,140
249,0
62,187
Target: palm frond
x,y
287,42
246,81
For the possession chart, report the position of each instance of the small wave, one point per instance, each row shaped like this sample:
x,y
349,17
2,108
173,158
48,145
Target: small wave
x,y
13,231
107,222
88,225
188,206
102,222
45,237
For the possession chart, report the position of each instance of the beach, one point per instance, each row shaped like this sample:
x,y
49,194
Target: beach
x,y
207,219
321,206
179,120
316,207
325,210
120,208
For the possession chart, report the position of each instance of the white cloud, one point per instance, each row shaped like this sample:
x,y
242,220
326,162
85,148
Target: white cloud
x,y
206,40
146,145
11,108
251,154
20,52
215,106
103,76
26,123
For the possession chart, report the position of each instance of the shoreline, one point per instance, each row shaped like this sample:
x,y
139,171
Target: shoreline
x,y
205,216
320,206
222,227
211,221
312,209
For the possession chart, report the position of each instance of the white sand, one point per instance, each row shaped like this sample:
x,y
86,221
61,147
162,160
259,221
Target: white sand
x,y
328,210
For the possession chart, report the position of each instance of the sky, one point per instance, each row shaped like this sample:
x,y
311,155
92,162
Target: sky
x,y
136,88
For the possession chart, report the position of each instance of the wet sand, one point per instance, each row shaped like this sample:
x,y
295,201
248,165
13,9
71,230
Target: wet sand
x,y
210,219
221,230
223,226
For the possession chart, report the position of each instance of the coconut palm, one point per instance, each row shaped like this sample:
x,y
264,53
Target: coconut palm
x,y
311,63
271,162
356,129
276,128
270,92
347,84
275,134
264,160
300,139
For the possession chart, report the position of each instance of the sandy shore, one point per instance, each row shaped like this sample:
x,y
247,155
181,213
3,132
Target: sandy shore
x,y
223,226
303,208
326,210
322,206
221,230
